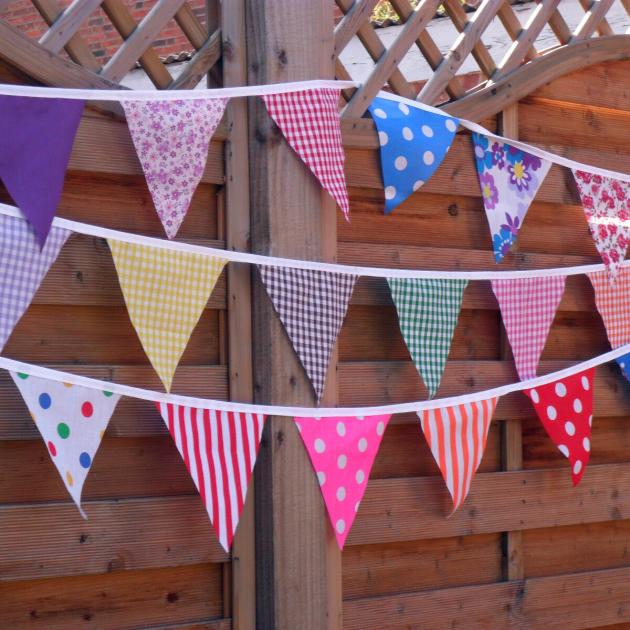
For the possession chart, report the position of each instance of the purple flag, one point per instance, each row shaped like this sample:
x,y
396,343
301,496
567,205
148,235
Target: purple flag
x,y
22,268
36,137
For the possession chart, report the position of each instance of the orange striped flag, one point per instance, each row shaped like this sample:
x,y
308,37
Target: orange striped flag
x,y
457,437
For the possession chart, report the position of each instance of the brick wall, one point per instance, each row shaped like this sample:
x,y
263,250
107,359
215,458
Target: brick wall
x,y
101,36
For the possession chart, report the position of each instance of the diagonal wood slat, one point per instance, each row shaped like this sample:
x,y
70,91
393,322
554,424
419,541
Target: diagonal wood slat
x,y
67,24
388,62
591,20
200,64
460,50
603,28
527,37
359,13
140,39
513,27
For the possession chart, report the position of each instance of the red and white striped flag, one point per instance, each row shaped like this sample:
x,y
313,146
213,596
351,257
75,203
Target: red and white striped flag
x,y
219,449
457,437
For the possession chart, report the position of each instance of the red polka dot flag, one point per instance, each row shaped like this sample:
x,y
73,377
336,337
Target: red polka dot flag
x,y
565,408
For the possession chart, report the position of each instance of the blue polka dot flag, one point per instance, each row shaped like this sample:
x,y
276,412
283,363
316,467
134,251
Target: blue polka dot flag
x,y
624,363
413,144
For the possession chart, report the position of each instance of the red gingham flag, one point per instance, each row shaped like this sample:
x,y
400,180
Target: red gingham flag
x,y
309,121
528,306
613,304
219,449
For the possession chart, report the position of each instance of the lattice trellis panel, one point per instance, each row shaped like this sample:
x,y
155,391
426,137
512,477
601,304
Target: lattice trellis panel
x,y
65,24
443,82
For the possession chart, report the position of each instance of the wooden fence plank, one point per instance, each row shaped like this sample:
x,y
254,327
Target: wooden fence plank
x,y
67,24
52,539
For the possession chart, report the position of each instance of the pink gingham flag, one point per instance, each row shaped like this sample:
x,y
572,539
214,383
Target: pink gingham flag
x,y
528,306
309,121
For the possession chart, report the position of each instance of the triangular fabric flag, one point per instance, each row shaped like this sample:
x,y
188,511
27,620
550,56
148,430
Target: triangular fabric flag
x,y
165,292
457,438
565,408
36,137
23,266
172,139
613,304
624,363
342,450
606,203
312,306
528,306
428,311
413,143
310,123
509,179
219,449
71,420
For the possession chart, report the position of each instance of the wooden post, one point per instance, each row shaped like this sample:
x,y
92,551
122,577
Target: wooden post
x,y
237,227
297,563
512,431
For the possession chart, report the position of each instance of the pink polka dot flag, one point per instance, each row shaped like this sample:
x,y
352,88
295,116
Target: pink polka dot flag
x,y
72,420
565,408
457,438
342,450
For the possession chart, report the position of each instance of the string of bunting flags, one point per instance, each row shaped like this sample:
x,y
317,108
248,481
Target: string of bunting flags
x,y
171,133
219,441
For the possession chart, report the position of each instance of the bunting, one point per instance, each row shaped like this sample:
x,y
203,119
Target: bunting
x,y
509,179
565,408
428,311
309,120
172,140
528,307
71,420
165,292
613,304
457,438
23,266
342,450
413,143
606,204
36,138
312,306
219,450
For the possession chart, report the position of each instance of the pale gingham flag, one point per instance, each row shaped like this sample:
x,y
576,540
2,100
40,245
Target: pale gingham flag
x,y
309,121
22,268
528,306
312,306
427,313
613,304
165,292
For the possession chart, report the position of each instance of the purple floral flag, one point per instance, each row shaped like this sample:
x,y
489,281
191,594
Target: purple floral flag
x,y
23,266
36,137
509,179
172,140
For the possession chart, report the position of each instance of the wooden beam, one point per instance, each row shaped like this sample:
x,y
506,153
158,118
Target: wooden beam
x,y
239,314
298,568
44,66
524,80
199,66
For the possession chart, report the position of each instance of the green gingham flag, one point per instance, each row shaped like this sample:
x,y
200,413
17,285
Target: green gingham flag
x,y
427,313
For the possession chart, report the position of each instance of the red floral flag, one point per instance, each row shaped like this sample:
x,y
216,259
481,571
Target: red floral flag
x,y
606,203
309,120
565,408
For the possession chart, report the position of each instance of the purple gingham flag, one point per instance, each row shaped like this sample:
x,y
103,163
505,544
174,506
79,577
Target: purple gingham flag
x,y
22,268
311,305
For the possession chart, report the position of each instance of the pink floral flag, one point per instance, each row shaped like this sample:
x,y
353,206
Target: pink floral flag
x,y
528,306
172,140
342,450
606,203
309,120
509,180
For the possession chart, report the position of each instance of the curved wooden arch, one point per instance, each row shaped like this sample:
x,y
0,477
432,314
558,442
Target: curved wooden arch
x,y
495,97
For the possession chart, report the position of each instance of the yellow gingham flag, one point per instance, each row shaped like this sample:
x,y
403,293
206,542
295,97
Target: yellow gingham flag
x,y
165,292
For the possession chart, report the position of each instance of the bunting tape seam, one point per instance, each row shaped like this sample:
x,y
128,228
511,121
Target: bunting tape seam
x,y
171,95
306,412
273,261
